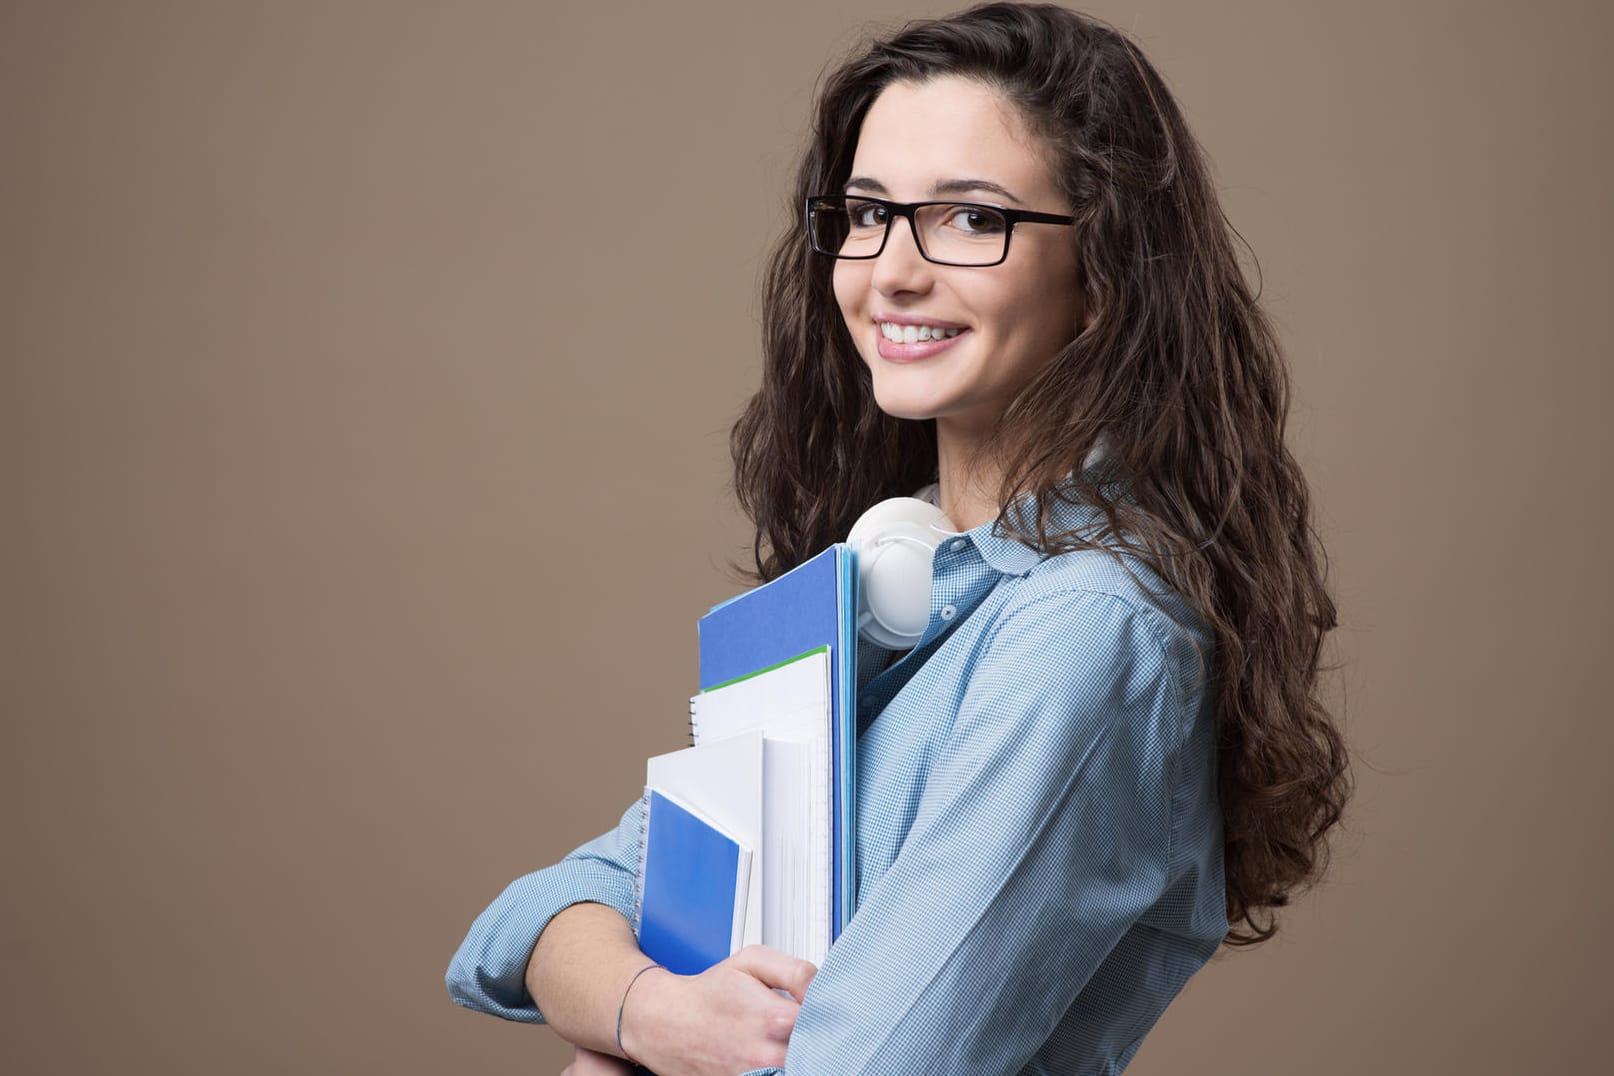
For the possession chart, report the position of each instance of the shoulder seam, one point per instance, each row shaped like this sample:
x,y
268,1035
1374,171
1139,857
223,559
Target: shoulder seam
x,y
1143,611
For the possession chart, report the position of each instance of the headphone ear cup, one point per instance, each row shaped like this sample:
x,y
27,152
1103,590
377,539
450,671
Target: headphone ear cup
x,y
896,543
894,510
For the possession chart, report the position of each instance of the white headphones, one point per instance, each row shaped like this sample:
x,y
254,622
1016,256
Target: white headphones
x,y
896,542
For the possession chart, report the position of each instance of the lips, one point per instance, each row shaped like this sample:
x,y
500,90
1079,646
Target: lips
x,y
913,334
893,351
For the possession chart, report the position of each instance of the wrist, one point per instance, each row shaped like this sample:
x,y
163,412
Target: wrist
x,y
639,1014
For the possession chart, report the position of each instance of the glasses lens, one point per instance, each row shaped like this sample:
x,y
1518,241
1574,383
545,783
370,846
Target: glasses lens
x,y
962,234
846,227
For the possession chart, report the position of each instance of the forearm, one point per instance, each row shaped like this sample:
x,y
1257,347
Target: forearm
x,y
728,1019
579,970
488,972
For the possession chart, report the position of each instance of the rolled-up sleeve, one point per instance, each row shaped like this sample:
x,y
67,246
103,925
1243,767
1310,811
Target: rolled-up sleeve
x,y
1042,836
488,972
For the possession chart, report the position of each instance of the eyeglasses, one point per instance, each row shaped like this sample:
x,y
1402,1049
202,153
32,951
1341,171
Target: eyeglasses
x,y
947,233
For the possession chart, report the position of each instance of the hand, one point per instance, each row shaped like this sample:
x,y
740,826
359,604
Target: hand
x,y
725,1020
589,1063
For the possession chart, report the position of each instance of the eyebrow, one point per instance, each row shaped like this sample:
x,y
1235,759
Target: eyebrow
x,y
940,187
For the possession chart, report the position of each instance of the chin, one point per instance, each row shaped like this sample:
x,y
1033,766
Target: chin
x,y
905,407
909,414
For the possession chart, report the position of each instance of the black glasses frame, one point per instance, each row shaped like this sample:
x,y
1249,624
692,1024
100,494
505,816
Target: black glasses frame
x,y
1011,217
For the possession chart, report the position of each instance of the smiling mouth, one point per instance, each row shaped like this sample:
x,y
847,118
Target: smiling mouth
x,y
914,334
903,348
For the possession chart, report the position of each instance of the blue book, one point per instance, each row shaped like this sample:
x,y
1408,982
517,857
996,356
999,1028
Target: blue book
x,y
693,881
810,607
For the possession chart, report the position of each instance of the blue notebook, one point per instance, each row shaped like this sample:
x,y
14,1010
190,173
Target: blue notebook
x,y
812,606
693,884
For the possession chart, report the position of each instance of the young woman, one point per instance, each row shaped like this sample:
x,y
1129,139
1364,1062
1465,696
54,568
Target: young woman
x,y
1010,287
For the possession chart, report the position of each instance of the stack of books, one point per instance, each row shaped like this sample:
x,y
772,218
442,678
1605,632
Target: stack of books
x,y
748,834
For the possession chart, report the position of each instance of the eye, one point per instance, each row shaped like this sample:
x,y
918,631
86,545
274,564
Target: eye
x,y
976,220
863,214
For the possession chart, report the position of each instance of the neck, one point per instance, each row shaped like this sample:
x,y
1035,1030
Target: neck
x,y
968,481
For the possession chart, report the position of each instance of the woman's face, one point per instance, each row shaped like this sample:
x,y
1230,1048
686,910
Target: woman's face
x,y
948,139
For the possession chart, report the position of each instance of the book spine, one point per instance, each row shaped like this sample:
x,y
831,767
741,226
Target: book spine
x,y
644,849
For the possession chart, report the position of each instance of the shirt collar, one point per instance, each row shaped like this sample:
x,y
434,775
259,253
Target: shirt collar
x,y
1005,554
1010,556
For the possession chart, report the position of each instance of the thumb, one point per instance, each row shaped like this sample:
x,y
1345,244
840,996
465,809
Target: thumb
x,y
775,969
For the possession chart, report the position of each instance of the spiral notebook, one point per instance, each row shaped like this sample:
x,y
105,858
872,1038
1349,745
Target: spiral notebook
x,y
723,783
692,889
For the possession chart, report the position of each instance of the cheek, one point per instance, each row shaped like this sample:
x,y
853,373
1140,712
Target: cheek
x,y
848,287
1047,310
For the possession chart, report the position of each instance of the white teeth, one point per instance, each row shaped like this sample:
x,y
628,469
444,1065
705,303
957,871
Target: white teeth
x,y
914,334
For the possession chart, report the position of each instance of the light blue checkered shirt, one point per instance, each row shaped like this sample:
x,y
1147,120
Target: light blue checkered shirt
x,y
1039,850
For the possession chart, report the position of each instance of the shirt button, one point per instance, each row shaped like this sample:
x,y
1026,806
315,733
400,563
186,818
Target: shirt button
x,y
957,544
948,612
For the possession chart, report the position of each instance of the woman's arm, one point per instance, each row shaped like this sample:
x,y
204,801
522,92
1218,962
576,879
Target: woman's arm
x,y
557,947
724,1021
489,972
580,972
1072,801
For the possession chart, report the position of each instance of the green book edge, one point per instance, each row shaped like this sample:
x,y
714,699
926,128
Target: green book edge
x,y
776,665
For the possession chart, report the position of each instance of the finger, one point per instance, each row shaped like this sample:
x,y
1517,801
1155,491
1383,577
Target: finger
x,y
779,1019
776,969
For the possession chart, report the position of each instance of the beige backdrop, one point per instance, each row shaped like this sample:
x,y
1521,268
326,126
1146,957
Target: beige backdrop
x,y
367,374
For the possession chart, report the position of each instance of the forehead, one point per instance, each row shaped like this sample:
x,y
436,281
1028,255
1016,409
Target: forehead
x,y
917,134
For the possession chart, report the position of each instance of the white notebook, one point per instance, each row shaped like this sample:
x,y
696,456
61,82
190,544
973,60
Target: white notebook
x,y
789,705
723,781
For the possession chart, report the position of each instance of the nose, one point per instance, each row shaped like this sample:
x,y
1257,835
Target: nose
x,y
900,267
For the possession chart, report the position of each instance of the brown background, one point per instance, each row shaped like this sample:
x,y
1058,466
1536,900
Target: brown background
x,y
367,373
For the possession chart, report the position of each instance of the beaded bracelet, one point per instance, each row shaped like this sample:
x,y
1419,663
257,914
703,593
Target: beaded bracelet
x,y
623,1004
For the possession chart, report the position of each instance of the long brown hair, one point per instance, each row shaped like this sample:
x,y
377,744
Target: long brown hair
x,y
1180,372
